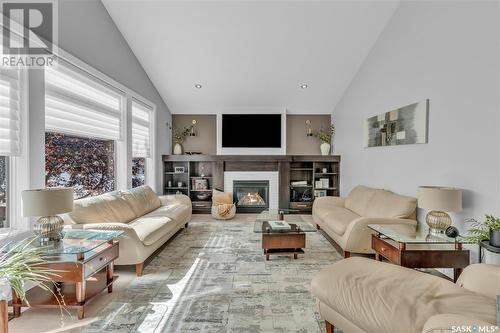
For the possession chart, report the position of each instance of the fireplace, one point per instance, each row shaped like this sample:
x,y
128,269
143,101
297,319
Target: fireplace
x,y
251,196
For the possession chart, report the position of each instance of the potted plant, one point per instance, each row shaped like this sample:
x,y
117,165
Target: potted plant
x,y
489,229
22,263
325,136
179,135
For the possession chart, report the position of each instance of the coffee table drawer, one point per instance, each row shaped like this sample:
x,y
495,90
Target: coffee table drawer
x,y
385,249
278,241
101,260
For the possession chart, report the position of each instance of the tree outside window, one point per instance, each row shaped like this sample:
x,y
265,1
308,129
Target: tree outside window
x,y
86,164
138,171
3,191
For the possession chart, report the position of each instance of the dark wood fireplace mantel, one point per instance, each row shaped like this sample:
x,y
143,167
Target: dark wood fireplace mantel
x,y
212,168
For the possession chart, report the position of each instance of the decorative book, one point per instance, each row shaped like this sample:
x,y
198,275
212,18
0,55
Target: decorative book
x,y
279,225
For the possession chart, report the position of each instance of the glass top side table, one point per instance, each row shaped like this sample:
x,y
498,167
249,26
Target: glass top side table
x,y
416,247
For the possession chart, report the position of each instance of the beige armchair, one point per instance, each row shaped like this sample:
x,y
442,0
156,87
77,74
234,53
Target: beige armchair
x,y
360,295
346,220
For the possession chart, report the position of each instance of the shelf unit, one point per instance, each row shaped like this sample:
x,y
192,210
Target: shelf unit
x,y
302,196
196,180
211,168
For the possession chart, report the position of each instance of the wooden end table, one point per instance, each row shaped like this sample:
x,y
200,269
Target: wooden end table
x,y
84,259
414,247
282,242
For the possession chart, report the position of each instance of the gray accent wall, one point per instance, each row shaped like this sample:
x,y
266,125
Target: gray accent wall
x,y
205,129
297,142
446,52
87,32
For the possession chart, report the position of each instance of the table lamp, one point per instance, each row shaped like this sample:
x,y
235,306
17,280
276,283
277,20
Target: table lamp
x,y
46,204
439,200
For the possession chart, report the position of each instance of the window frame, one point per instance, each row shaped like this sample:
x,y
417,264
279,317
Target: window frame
x,y
123,147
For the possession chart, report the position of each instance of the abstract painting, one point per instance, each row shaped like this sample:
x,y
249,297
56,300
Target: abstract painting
x,y
403,126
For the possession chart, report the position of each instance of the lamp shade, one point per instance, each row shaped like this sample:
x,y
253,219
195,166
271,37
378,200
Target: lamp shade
x,y
48,201
445,199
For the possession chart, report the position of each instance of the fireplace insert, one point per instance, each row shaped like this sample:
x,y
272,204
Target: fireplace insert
x,y
251,196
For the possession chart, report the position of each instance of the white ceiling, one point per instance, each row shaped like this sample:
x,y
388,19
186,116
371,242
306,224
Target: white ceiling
x,y
251,54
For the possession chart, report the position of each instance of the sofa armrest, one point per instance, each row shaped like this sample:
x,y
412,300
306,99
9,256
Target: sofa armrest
x,y
359,235
174,198
329,201
446,322
481,278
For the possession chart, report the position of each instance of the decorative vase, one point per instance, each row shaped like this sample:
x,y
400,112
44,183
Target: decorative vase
x,y
177,149
495,238
325,148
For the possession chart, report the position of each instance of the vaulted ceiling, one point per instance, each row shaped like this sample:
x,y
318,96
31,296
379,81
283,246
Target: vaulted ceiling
x,y
251,54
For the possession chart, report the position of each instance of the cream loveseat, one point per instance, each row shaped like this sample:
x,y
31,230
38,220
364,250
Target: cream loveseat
x,y
147,220
346,220
360,295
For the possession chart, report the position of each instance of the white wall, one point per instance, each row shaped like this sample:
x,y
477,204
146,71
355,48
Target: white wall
x,y
87,32
446,51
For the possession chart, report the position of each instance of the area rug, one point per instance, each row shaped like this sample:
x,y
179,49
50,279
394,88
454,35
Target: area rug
x,y
213,277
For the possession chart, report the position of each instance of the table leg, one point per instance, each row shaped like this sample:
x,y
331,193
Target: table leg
x,y
267,256
16,305
378,257
4,316
456,273
109,276
295,256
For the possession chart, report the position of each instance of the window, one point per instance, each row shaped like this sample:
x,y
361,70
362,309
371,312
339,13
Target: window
x,y
3,191
88,165
83,123
141,141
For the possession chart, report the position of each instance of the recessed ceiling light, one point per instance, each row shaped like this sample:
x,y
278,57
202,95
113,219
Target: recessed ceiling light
x,y
197,86
303,86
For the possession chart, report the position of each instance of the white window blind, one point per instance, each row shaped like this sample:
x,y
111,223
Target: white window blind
x,y
141,129
80,104
10,111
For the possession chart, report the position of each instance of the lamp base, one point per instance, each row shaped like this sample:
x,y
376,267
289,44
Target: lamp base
x,y
438,221
49,227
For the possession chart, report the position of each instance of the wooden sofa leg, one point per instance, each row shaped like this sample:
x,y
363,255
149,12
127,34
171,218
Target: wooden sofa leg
x,y
329,327
186,225
347,254
318,227
138,269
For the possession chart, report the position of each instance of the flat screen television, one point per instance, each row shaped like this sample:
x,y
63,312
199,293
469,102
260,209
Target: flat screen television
x,y
251,130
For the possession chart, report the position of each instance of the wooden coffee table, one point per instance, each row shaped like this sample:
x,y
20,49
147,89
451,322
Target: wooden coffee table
x,y
282,242
84,259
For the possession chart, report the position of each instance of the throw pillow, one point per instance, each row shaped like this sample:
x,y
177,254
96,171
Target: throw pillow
x,y
221,198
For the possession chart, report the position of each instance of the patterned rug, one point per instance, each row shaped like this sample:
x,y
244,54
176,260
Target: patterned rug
x,y
213,277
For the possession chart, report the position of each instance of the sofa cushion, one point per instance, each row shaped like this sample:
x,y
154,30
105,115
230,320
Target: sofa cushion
x,y
150,229
338,218
358,199
142,199
105,208
176,211
388,204
382,297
